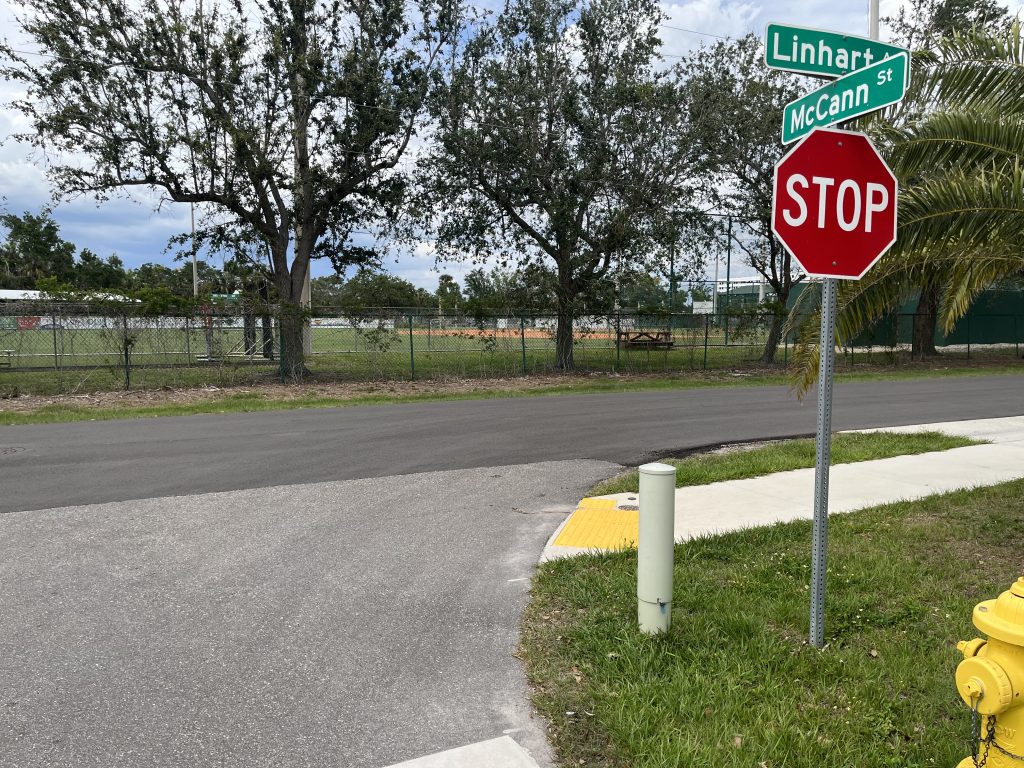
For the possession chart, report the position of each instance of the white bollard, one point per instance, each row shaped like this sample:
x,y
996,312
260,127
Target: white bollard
x,y
655,553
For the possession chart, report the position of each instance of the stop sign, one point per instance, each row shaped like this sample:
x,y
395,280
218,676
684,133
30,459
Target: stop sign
x,y
834,204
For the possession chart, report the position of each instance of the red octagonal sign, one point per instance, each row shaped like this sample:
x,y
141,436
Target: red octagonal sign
x,y
834,204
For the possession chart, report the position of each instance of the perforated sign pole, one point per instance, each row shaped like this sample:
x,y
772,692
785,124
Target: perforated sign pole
x,y
834,209
819,550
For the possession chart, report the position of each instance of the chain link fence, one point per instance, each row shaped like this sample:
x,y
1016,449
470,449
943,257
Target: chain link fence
x,y
68,348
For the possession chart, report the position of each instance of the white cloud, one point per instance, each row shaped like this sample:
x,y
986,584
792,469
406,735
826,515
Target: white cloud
x,y
691,24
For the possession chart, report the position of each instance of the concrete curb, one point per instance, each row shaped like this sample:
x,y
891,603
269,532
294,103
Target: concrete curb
x,y
502,752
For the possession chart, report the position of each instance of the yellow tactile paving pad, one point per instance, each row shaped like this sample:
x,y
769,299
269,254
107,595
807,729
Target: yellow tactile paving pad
x,y
597,524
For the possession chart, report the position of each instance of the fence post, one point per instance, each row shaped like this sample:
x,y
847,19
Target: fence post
x,y
412,353
618,335
1016,338
705,367
127,354
53,322
968,335
281,350
188,343
522,339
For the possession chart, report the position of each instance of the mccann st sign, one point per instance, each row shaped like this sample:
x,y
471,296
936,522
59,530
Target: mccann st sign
x,y
820,53
865,90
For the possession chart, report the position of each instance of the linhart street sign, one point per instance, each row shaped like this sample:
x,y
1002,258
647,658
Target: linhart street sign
x,y
834,204
852,95
820,53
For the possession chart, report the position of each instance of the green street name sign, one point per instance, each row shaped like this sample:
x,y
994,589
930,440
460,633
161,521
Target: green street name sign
x,y
858,93
820,53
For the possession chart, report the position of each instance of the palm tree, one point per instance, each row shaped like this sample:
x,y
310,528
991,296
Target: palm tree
x,y
957,147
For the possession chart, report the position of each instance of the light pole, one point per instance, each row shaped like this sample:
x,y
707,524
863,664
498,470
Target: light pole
x,y
195,266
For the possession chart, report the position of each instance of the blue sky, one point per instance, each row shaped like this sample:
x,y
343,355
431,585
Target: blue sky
x,y
138,233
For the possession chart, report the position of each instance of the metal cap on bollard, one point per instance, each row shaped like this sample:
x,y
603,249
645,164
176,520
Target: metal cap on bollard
x,y
656,547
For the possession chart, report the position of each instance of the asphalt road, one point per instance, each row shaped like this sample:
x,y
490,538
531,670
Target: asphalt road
x,y
348,624
90,462
276,589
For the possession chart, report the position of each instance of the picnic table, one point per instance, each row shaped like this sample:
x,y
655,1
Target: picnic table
x,y
646,339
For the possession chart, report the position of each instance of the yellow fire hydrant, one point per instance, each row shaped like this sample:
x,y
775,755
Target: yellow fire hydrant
x,y
990,680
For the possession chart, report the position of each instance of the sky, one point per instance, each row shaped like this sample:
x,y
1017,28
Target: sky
x,y
137,233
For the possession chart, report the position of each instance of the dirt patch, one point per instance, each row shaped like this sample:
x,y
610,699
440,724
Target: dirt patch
x,y
329,389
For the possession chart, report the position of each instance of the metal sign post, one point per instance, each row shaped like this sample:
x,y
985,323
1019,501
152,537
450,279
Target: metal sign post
x,y
841,228
823,442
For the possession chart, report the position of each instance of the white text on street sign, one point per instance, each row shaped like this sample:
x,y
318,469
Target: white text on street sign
x,y
821,53
866,90
834,204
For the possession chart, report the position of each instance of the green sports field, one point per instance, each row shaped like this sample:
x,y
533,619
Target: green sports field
x,y
76,354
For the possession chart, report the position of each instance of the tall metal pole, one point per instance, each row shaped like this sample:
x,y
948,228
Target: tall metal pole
x,y
195,266
728,270
714,290
873,19
728,263
824,454
672,279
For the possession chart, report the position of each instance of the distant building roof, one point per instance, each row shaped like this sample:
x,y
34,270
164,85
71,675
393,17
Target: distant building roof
x,y
9,295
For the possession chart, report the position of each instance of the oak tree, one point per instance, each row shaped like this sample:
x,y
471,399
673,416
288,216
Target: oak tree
x,y
283,119
561,143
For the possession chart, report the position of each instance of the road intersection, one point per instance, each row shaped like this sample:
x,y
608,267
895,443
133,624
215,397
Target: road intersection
x,y
338,587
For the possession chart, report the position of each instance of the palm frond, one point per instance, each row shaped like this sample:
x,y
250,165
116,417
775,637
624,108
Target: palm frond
x,y
964,140
975,68
984,210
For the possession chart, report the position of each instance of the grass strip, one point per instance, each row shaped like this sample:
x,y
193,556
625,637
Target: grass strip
x,y
782,456
733,684
257,402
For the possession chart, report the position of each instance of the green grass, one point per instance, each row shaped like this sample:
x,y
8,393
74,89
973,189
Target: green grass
x,y
733,684
847,447
73,360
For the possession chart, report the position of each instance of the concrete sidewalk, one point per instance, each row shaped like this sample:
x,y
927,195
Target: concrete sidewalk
x,y
610,522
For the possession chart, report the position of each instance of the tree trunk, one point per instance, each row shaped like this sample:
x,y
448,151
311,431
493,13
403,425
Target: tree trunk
x,y
290,313
265,325
248,329
293,362
563,334
926,318
778,308
771,344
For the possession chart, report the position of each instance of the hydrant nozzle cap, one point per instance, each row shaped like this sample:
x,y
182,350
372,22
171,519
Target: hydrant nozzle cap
x,y
1003,618
1018,587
